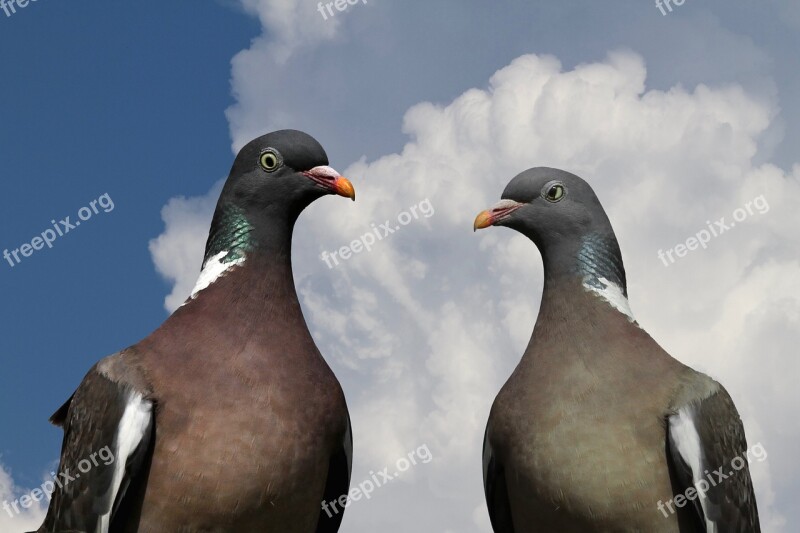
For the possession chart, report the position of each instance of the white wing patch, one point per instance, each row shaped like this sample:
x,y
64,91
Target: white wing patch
x,y
212,270
612,293
685,438
133,425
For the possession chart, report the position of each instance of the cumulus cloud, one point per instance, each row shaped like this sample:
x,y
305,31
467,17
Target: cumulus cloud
x,y
176,251
289,25
424,329
12,521
290,28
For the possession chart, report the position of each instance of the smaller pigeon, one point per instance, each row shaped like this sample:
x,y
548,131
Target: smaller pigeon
x,y
598,428
227,417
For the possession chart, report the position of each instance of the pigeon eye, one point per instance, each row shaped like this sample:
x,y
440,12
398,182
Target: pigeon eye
x,y
553,192
269,160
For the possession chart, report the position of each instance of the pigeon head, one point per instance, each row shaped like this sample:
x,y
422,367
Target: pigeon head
x,y
550,206
561,214
273,179
283,171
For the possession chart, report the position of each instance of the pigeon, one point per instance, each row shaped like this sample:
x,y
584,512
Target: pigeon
x,y
598,428
226,418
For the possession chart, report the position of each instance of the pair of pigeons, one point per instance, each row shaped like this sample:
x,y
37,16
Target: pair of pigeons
x,y
228,419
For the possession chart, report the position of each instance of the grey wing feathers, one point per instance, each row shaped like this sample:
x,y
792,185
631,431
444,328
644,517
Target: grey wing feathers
x,y
108,425
707,448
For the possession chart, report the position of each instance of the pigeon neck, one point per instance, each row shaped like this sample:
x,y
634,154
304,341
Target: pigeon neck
x,y
236,239
597,261
237,235
231,234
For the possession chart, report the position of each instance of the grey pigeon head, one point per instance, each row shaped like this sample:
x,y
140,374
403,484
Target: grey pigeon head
x,y
562,215
273,179
285,169
548,205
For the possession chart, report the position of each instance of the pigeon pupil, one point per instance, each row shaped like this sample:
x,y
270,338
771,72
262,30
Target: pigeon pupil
x,y
269,161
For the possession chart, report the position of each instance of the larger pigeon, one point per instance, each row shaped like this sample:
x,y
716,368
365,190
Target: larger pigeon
x,y
226,418
598,428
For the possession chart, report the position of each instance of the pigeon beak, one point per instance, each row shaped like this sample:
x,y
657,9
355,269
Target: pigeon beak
x,y
497,213
344,188
332,181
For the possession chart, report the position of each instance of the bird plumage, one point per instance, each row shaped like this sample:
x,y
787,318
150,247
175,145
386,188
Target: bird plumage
x,y
598,425
227,417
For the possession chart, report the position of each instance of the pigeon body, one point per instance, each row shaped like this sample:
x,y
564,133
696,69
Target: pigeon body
x,y
598,428
226,418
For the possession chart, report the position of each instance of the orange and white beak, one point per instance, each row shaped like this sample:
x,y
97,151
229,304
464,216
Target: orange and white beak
x,y
497,213
332,181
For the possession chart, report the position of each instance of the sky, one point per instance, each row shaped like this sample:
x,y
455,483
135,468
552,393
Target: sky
x,y
127,119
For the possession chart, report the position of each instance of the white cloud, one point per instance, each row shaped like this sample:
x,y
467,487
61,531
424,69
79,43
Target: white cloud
x,y
12,521
424,329
176,251
290,27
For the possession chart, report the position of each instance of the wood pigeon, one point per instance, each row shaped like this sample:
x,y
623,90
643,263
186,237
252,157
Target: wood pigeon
x,y
598,428
226,418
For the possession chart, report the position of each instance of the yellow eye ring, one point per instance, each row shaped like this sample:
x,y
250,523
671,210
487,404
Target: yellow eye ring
x,y
269,160
553,192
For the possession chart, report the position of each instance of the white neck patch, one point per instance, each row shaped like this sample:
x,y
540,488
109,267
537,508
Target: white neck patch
x,y
612,293
212,270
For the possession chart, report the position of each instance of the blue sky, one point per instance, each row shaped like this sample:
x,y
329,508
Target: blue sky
x,y
98,101
443,100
